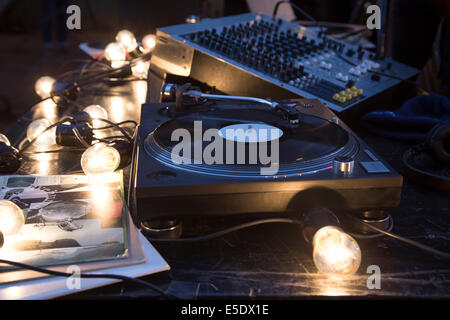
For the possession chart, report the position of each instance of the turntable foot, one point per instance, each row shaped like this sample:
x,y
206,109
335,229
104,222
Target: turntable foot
x,y
162,229
384,223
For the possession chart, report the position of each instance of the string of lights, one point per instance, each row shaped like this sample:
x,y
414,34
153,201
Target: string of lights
x,y
124,59
75,132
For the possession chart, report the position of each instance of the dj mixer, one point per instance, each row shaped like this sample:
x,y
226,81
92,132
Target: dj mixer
x,y
255,55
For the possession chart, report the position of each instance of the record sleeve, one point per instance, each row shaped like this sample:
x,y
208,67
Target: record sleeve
x,y
69,220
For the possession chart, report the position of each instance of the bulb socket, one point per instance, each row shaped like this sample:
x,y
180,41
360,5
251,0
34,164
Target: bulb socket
x,y
65,135
9,159
81,116
136,53
125,149
65,89
316,219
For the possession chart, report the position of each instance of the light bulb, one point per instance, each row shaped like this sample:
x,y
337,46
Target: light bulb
x,y
96,111
4,139
100,159
115,53
44,86
36,130
127,40
140,69
335,252
149,42
11,218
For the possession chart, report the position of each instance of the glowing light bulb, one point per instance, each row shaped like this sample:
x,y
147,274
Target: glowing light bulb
x,y
4,139
335,252
149,42
96,111
44,86
140,69
116,53
11,218
36,130
127,40
100,159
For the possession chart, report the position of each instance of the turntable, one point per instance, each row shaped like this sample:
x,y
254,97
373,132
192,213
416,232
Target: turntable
x,y
283,157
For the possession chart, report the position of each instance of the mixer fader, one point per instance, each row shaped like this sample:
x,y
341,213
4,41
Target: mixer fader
x,y
256,55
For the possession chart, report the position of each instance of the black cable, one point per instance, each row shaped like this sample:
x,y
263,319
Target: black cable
x,y
398,78
107,139
89,276
373,236
24,145
125,134
303,12
80,138
300,222
89,80
65,149
118,123
299,9
232,229
403,239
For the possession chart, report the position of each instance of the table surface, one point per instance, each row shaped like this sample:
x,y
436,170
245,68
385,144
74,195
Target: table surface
x,y
273,261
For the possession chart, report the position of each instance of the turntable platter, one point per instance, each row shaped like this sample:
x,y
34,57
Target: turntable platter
x,y
309,147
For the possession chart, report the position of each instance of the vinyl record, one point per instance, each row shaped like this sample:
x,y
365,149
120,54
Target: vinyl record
x,y
307,147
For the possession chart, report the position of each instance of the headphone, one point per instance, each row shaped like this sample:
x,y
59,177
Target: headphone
x,y
437,143
427,162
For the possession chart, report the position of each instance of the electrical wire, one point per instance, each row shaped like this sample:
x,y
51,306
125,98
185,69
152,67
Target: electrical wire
x,y
77,84
65,149
119,124
373,236
108,139
296,7
299,9
403,239
25,144
232,229
90,276
300,222
80,138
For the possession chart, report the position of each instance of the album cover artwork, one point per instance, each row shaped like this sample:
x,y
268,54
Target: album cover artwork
x,y
68,219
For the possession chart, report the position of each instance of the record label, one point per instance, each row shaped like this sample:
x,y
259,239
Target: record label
x,y
250,133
